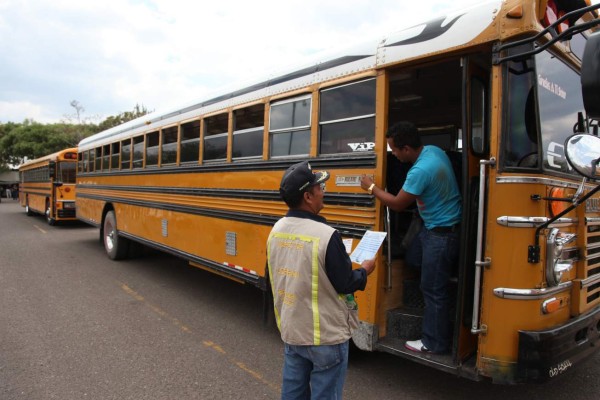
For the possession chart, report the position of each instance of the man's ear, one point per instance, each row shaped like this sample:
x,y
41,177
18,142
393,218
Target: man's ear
x,y
307,196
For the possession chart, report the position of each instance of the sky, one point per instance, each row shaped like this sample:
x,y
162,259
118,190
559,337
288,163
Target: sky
x,y
109,55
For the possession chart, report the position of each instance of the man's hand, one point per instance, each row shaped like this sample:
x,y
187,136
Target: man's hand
x,y
368,265
365,182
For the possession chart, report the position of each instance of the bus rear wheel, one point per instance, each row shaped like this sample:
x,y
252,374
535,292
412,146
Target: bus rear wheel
x,y
116,247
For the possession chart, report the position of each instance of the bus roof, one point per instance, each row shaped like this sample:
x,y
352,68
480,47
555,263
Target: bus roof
x,y
49,157
451,31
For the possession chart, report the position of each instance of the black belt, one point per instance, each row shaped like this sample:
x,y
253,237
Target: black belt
x,y
446,229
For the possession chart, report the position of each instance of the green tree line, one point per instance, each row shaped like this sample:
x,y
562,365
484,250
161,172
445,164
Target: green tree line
x,y
30,139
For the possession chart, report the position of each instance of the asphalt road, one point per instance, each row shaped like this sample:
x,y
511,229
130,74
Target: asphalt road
x,y
75,325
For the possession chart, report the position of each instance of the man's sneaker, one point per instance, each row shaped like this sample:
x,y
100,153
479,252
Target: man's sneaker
x,y
416,345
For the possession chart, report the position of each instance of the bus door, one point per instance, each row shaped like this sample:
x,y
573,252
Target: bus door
x,y
475,154
431,97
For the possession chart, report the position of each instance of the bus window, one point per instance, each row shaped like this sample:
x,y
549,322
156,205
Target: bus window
x,y
347,118
560,99
114,155
125,154
478,121
168,152
66,172
215,138
80,162
248,131
91,155
289,127
138,152
98,164
190,142
521,133
105,157
152,139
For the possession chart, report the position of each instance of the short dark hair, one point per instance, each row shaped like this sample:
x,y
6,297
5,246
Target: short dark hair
x,y
404,133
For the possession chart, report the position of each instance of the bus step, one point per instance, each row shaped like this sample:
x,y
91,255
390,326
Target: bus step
x,y
404,323
411,293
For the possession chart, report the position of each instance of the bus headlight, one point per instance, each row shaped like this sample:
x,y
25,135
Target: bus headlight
x,y
556,265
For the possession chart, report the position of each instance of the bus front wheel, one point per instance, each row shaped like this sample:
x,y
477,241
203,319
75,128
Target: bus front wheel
x,y
27,209
49,219
116,247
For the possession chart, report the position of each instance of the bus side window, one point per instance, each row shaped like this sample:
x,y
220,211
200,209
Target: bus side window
x,y
347,118
114,155
91,155
215,137
126,154
190,142
138,152
152,139
105,157
98,159
289,127
248,131
168,152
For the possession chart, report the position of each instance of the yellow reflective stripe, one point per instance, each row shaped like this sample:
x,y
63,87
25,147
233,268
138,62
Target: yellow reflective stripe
x,y
277,316
315,293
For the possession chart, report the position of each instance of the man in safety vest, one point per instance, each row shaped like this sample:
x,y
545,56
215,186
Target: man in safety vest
x,y
313,284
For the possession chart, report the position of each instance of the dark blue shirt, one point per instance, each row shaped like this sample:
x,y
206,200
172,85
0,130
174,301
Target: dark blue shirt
x,y
338,266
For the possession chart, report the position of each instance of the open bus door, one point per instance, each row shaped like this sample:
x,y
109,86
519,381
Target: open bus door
x,y
449,102
475,153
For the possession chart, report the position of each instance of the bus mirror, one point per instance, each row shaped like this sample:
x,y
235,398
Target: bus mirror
x,y
583,154
52,169
590,76
58,184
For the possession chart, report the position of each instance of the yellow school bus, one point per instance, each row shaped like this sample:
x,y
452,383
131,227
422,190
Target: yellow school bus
x,y
497,86
47,186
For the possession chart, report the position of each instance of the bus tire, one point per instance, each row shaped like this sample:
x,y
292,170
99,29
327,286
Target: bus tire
x,y
27,209
116,247
51,221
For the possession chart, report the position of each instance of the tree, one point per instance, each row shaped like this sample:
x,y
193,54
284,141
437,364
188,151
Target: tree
x,y
30,139
116,120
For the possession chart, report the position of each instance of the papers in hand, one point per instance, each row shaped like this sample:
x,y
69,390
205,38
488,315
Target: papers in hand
x,y
368,246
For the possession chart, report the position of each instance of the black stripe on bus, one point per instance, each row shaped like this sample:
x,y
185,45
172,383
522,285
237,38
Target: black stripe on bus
x,y
354,231
339,162
245,276
356,200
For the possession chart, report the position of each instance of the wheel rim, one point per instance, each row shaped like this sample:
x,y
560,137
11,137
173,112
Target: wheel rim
x,y
110,239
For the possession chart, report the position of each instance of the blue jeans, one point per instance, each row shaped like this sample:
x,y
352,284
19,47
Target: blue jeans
x,y
314,372
435,263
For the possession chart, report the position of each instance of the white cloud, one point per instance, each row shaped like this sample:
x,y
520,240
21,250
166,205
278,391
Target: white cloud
x,y
111,54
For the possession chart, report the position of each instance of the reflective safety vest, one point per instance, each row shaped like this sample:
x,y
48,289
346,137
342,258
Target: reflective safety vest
x,y
308,309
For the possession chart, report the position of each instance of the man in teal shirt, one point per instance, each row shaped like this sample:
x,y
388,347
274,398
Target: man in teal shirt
x,y
432,184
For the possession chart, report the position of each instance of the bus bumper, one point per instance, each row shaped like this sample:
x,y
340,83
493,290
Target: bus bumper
x,y
546,354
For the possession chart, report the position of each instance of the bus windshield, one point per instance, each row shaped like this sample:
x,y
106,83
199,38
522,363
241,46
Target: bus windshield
x,y
546,81
67,172
560,100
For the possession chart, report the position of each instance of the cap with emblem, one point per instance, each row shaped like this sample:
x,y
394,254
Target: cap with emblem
x,y
298,178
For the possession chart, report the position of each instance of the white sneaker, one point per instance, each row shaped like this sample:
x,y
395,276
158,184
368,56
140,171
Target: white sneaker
x,y
416,345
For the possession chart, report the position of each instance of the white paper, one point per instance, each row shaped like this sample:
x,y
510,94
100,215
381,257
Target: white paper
x,y
348,245
368,246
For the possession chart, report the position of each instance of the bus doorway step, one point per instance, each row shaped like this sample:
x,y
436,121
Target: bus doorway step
x,y
396,346
404,323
